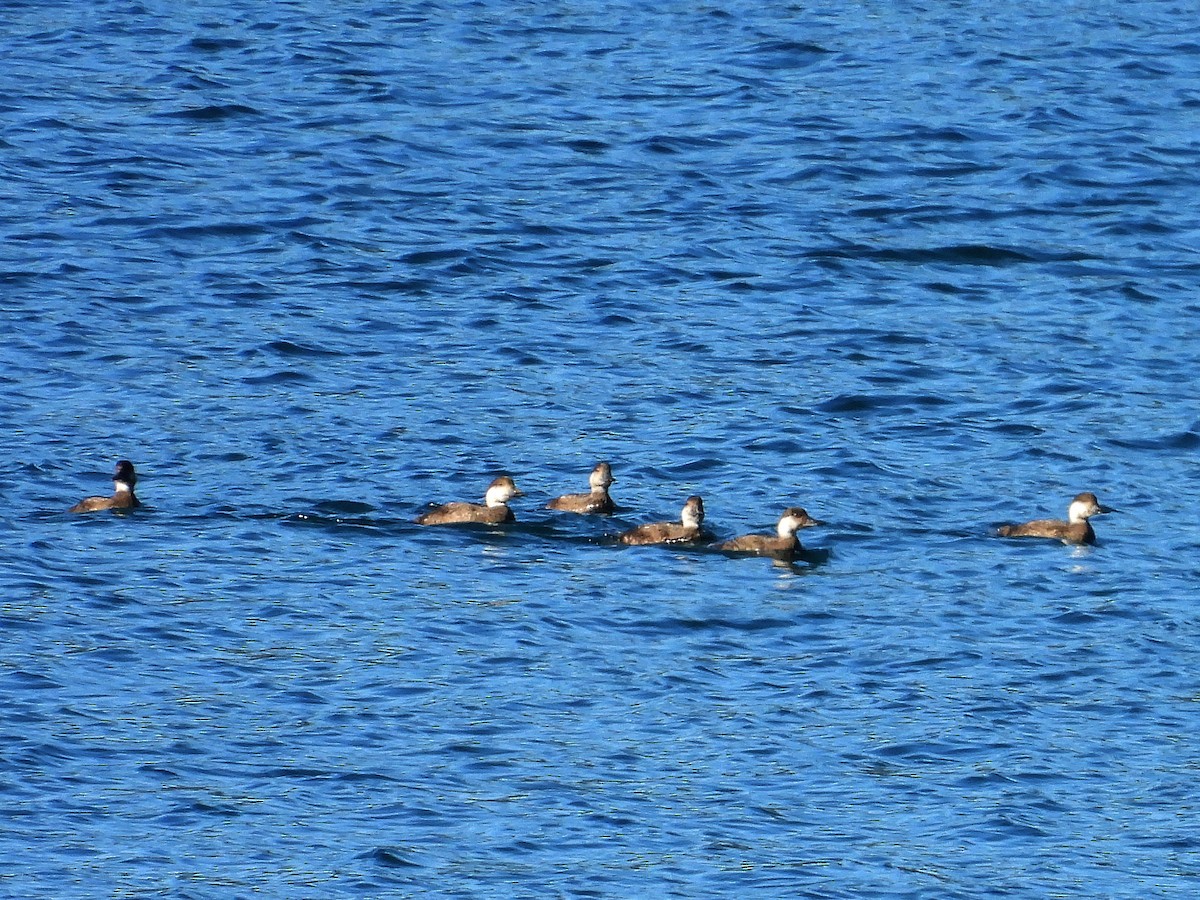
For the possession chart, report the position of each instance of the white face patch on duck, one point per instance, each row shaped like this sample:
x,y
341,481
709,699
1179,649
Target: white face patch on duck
x,y
501,491
600,478
693,513
788,526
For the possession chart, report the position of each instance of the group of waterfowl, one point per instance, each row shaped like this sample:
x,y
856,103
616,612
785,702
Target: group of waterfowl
x,y
597,501
784,544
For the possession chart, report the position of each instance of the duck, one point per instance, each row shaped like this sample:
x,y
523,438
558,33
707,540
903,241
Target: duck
x,y
1076,530
493,511
124,480
784,544
598,502
685,530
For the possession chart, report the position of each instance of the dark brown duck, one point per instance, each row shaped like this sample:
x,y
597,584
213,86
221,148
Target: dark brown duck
x,y
685,530
596,502
1076,530
784,544
493,511
124,480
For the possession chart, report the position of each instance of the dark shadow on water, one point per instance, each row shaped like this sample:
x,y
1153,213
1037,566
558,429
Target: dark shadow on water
x,y
562,529
806,561
390,858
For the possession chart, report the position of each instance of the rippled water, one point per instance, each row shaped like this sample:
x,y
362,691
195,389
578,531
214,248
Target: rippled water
x,y
312,266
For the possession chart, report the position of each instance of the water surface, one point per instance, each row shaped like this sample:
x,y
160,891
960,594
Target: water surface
x,y
314,266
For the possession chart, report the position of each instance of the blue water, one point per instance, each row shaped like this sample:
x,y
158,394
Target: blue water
x,y
921,269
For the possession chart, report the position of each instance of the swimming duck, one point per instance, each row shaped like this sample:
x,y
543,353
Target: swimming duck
x,y
124,479
597,502
1076,530
686,529
784,544
493,511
